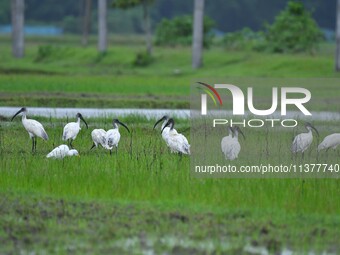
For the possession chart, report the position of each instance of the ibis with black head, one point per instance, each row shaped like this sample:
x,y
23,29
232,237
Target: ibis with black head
x,y
33,127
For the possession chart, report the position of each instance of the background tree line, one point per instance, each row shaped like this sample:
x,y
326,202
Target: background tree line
x,y
229,16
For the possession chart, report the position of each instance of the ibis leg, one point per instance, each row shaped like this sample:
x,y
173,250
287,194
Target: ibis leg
x,y
32,144
110,152
93,146
116,150
35,144
71,143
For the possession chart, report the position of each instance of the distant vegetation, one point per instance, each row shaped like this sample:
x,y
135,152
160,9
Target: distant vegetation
x,y
294,30
178,31
229,16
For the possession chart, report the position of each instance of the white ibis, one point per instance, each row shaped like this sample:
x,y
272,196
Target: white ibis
x,y
72,129
230,145
330,141
113,135
61,152
302,141
99,137
235,145
33,127
177,142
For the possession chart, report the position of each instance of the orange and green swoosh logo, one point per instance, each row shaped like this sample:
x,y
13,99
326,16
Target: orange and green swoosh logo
x,y
211,92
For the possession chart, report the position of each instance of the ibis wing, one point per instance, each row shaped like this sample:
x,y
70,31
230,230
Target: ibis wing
x,y
36,128
71,131
112,137
99,136
330,141
58,152
178,143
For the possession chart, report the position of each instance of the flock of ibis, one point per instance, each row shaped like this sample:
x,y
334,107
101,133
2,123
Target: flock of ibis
x,y
107,139
231,147
177,142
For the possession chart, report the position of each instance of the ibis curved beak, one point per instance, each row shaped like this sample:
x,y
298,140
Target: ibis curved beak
x,y
316,131
20,111
239,130
121,123
164,128
158,121
81,117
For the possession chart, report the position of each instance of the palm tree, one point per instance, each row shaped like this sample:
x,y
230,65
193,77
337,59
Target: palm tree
x,y
102,25
18,42
197,38
86,22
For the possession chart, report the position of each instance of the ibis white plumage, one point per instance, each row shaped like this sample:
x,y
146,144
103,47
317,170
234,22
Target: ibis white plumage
x,y
302,141
61,152
330,141
113,135
33,127
72,129
99,137
178,143
230,145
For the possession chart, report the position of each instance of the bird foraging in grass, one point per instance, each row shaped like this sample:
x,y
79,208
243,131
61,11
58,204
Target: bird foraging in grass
x,y
61,152
113,135
33,127
99,137
330,141
302,141
178,143
72,129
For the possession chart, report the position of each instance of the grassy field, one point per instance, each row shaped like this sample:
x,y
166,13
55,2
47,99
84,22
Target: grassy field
x,y
70,75
153,199
144,199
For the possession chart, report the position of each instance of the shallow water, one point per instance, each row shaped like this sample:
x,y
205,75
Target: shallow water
x,y
148,113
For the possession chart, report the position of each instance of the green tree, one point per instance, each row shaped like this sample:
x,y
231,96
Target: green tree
x,y
294,30
197,35
179,30
18,23
126,4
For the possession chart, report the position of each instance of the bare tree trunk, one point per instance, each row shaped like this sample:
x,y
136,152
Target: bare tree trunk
x,y
337,57
18,43
147,27
102,25
197,38
86,22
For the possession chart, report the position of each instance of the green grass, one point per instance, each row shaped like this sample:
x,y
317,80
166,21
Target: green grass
x,y
144,174
68,68
145,194
57,226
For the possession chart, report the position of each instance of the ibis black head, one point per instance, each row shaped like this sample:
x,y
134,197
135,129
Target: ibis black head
x,y
309,126
170,124
23,109
81,117
116,122
165,117
230,129
237,130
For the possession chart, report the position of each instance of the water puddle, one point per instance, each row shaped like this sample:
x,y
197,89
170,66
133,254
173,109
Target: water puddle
x,y
148,113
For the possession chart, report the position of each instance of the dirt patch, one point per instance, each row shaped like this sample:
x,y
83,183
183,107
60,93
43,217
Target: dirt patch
x,y
34,223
